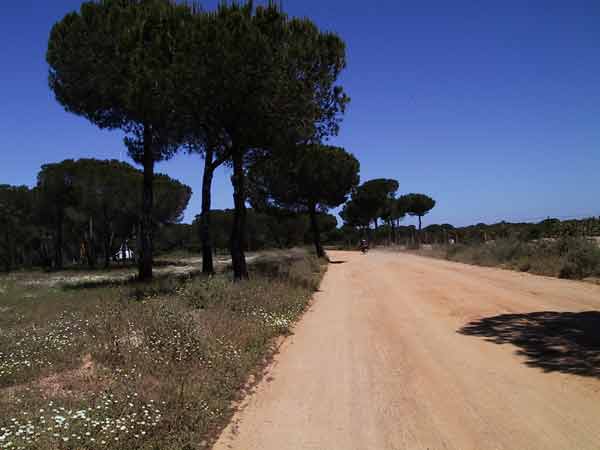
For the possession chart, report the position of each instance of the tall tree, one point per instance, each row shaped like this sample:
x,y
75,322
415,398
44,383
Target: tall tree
x,y
419,205
203,101
261,79
310,179
115,63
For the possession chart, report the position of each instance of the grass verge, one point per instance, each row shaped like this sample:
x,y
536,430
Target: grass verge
x,y
572,258
140,366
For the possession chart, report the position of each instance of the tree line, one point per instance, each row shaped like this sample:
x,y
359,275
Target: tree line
x,y
550,228
282,229
445,234
81,210
243,86
376,203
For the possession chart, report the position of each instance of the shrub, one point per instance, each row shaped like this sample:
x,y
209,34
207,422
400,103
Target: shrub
x,y
524,265
567,257
295,266
582,259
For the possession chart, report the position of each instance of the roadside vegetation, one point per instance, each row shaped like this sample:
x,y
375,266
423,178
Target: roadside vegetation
x,y
567,257
147,366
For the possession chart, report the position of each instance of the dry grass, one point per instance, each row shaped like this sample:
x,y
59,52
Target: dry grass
x,y
574,258
148,367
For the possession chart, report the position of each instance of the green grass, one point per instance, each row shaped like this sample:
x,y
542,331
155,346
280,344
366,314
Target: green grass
x,y
140,366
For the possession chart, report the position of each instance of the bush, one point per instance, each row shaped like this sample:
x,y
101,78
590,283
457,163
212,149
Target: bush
x,y
524,265
453,250
294,266
567,257
582,260
509,250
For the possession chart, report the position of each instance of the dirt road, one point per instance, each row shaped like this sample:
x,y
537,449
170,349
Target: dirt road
x,y
403,352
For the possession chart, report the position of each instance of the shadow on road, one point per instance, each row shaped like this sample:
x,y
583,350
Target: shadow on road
x,y
553,341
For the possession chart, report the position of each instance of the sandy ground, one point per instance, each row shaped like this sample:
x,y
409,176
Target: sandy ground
x,y
181,266
404,352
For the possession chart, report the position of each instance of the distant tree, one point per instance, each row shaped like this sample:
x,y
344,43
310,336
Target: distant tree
x,y
172,198
106,204
56,193
95,202
16,205
354,216
371,201
115,63
275,228
419,205
394,211
310,179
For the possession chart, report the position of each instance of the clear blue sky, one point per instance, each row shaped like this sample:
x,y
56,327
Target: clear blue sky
x,y
492,108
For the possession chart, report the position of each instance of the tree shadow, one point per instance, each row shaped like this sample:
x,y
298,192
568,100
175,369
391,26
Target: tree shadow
x,y
337,262
553,341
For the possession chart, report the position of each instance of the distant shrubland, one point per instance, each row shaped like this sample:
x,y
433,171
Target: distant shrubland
x,y
565,257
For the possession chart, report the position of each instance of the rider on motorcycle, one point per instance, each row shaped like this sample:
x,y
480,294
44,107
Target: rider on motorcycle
x,y
364,245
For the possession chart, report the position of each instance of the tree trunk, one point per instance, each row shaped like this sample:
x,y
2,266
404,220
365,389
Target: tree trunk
x,y
58,253
237,243
107,246
91,247
207,251
314,225
146,258
106,252
8,260
419,233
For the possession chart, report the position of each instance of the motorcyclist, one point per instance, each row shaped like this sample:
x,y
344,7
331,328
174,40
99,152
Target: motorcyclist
x,y
364,245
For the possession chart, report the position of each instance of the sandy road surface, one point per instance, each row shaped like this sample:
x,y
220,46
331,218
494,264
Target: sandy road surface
x,y
404,352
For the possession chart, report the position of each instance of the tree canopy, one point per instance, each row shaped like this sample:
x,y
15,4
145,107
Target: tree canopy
x,y
16,209
234,84
85,208
308,179
371,200
115,62
419,205
262,81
